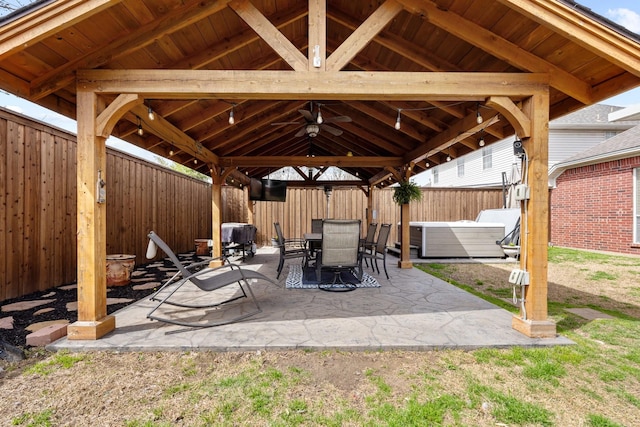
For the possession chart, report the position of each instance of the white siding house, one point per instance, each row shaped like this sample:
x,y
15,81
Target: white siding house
x,y
568,136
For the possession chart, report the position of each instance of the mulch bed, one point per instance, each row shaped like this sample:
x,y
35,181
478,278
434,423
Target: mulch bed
x,y
153,273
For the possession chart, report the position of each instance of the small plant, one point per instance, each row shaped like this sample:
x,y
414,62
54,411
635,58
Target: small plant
x,y
406,192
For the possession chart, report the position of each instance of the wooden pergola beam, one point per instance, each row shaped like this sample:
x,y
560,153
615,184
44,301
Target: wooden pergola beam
x,y
306,85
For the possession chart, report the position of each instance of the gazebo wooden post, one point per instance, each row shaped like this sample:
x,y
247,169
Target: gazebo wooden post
x,y
405,251
369,193
533,320
216,214
93,321
251,208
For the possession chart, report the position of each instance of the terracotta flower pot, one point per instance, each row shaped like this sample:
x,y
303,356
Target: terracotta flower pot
x,y
119,269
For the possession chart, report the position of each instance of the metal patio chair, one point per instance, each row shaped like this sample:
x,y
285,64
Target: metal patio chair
x,y
205,279
340,252
378,250
289,248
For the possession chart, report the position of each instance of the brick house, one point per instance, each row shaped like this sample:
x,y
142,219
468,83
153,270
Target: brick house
x,y
595,197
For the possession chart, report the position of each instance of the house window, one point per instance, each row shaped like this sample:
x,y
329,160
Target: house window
x,y
487,158
435,175
610,134
636,205
460,167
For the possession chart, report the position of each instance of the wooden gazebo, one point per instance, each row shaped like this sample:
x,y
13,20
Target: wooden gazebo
x,y
419,80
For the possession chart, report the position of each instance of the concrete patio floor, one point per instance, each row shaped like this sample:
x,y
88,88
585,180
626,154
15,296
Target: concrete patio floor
x,y
410,311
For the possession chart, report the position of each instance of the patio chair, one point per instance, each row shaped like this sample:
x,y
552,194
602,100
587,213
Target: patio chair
x,y
369,239
205,279
316,227
340,252
378,250
289,248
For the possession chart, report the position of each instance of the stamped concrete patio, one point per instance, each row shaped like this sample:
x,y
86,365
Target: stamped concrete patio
x,y
410,311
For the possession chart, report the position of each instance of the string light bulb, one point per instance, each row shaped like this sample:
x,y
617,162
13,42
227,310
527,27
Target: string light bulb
x,y
479,118
140,130
397,126
195,161
319,118
481,141
170,152
150,113
232,119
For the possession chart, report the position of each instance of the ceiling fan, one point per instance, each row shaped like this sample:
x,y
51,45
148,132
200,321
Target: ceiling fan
x,y
314,122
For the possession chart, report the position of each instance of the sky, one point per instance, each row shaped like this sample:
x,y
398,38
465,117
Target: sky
x,y
622,12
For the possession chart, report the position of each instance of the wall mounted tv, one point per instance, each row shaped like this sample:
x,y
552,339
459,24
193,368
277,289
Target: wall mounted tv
x,y
255,189
268,190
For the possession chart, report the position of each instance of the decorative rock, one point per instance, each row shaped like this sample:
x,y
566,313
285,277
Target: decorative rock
x,y
46,335
35,327
25,305
9,352
6,322
43,311
69,287
148,285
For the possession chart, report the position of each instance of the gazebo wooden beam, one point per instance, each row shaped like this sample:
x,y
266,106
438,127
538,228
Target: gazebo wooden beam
x,y
306,85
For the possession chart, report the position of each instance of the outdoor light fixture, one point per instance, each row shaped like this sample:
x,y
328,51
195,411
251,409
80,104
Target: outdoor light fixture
x,y
479,118
232,119
312,130
481,141
170,152
319,119
448,156
327,192
195,161
397,126
152,116
140,131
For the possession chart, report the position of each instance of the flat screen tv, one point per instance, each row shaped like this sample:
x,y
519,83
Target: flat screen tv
x,y
255,189
274,190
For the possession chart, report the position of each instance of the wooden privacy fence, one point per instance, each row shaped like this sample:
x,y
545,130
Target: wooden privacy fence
x,y
302,205
38,206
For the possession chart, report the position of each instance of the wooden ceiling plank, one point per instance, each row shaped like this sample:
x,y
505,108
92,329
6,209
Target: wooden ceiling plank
x,y
501,48
43,22
305,85
317,35
270,34
588,33
143,36
363,35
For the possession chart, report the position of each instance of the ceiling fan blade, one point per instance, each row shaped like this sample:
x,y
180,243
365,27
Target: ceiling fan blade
x,y
308,115
286,123
336,119
301,132
333,131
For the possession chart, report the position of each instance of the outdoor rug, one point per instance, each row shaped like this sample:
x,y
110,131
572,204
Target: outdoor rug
x,y
299,279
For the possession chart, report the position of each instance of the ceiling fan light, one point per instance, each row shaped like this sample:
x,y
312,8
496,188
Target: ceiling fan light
x,y
312,130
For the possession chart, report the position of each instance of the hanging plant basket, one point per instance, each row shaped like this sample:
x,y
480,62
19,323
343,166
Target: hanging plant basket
x,y
406,192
